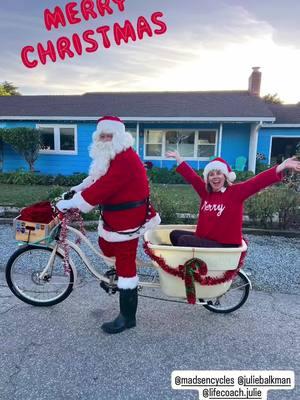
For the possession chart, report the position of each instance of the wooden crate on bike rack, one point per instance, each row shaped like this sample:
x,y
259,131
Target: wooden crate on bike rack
x,y
31,232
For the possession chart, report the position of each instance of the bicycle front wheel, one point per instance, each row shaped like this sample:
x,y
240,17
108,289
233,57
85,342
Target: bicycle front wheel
x,y
234,298
36,281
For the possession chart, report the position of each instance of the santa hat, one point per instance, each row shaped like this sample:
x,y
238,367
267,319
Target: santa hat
x,y
110,124
220,165
114,125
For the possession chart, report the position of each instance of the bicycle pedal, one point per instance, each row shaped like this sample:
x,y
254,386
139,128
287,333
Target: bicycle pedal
x,y
111,272
108,288
203,302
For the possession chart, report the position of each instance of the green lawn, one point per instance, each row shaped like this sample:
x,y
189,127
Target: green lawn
x,y
23,195
183,196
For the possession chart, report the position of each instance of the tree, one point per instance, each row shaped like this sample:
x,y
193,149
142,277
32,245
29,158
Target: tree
x,y
3,92
25,141
272,98
9,88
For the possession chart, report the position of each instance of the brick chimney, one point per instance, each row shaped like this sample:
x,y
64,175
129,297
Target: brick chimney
x,y
254,82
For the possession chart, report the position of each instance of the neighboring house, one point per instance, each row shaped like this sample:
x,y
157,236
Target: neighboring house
x,y
200,125
281,139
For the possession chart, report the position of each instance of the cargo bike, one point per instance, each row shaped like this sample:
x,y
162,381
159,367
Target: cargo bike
x,y
36,273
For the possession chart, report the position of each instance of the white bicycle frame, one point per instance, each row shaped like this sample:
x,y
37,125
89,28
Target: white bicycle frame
x,y
110,261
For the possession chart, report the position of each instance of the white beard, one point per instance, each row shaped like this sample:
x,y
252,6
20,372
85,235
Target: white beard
x,y
102,154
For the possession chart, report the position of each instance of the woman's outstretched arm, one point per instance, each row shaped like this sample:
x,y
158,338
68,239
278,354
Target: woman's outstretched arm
x,y
188,173
266,178
290,163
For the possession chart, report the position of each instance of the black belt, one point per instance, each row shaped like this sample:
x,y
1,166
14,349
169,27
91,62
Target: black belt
x,y
123,206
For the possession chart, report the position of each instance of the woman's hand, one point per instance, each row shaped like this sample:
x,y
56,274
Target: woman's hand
x,y
174,154
290,163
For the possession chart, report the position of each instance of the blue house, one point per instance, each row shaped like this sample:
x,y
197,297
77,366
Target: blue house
x,y
201,125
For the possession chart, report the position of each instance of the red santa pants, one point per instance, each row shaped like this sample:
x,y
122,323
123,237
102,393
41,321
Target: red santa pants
x,y
125,253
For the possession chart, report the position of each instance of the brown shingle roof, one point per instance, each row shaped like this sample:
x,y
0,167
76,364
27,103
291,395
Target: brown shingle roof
x,y
286,113
235,104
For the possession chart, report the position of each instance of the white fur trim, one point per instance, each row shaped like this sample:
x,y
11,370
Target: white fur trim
x,y
232,176
122,141
128,283
216,165
116,237
83,185
79,202
110,126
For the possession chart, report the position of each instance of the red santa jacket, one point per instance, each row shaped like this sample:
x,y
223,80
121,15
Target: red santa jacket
x,y
125,181
221,213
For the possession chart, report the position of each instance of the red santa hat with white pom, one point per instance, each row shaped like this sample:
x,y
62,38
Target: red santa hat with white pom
x,y
115,126
220,165
110,124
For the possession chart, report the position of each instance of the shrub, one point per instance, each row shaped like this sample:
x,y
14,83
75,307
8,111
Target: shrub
x,y
155,175
274,200
242,176
170,176
288,206
54,192
166,207
164,175
261,208
22,177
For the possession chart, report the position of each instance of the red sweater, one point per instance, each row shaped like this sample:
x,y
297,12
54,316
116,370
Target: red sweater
x,y
221,213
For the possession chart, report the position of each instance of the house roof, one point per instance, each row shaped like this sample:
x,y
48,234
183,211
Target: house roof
x,y
286,113
140,105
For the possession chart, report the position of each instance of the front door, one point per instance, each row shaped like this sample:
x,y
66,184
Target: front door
x,y
284,147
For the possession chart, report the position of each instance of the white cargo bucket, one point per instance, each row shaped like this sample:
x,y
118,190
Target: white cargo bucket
x,y
218,261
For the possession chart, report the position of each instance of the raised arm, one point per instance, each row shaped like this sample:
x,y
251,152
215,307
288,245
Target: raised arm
x,y
266,178
188,173
292,163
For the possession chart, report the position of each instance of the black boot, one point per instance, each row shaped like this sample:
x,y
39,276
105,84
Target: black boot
x,y
126,318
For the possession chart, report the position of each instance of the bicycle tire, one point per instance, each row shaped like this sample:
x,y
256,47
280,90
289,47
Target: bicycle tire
x,y
215,305
30,269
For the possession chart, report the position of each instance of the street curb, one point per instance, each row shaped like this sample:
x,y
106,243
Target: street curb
x,y
271,232
251,231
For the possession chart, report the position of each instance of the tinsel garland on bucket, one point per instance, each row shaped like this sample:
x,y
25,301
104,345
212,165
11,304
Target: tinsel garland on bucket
x,y
193,270
72,215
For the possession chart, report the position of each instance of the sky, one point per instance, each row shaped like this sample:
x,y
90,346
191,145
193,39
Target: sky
x,y
208,45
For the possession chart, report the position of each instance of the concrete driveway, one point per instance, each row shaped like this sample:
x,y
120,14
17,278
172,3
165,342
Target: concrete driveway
x,y
61,353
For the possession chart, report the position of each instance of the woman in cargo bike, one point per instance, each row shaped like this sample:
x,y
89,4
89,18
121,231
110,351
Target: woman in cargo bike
x,y
221,208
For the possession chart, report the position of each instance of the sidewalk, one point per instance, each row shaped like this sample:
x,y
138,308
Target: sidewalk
x,y
61,353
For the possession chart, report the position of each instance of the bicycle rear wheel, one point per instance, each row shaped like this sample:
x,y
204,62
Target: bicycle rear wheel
x,y
233,299
29,280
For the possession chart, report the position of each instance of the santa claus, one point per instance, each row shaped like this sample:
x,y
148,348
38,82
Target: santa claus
x,y
117,182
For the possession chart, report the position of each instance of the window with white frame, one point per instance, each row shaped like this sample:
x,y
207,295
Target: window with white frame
x,y
190,143
206,146
58,139
182,141
154,143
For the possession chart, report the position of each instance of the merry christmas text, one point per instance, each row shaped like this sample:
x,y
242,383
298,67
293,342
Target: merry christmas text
x,y
91,40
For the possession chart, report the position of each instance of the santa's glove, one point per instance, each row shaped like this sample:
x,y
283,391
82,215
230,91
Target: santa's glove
x,y
65,205
68,195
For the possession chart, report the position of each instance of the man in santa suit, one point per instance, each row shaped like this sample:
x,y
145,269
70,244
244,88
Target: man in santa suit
x,y
117,182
